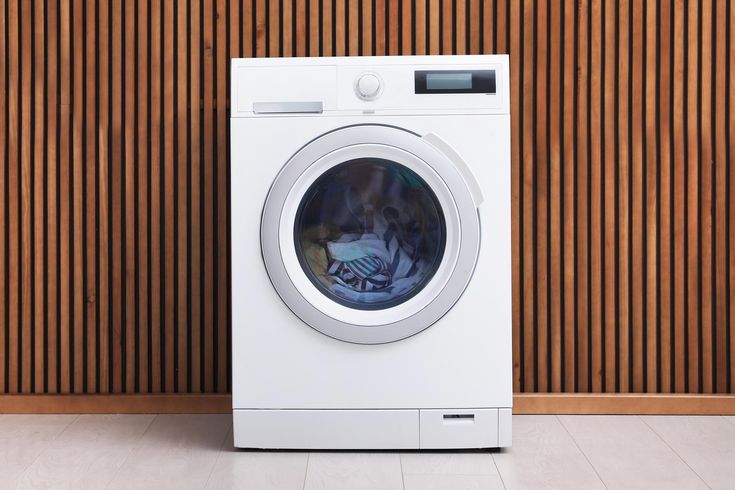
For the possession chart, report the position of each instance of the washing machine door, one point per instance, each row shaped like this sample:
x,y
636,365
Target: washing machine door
x,y
370,233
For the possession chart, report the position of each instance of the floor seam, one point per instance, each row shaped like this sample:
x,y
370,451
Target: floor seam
x,y
498,470
306,470
589,462
132,449
673,450
403,476
219,454
727,419
47,447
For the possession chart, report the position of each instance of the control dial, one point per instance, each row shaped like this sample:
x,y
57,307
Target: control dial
x,y
368,86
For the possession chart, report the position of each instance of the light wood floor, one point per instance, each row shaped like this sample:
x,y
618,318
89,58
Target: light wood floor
x,y
195,451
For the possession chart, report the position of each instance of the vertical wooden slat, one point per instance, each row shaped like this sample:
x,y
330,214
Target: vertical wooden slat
x,y
195,226
529,298
555,46
39,263
434,31
129,257
339,21
475,19
720,205
596,190
353,37
460,26
393,27
502,28
568,195
541,228
419,24
287,22
168,216
208,178
651,199
731,191
90,211
181,217
693,324
247,30
583,325
116,145
260,27
4,232
447,28
624,204
13,198
273,30
103,131
664,233
407,21
367,28
326,22
487,27
705,199
13,201
154,216
679,146
609,245
221,213
314,27
380,27
77,127
637,251
26,196
65,276
143,166
517,187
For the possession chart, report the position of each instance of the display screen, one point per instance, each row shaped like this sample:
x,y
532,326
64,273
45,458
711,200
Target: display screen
x,y
454,81
448,81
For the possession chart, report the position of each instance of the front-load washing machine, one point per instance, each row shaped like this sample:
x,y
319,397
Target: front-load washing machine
x,y
371,252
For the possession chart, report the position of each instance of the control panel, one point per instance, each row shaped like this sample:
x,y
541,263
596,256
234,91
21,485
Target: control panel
x,y
387,85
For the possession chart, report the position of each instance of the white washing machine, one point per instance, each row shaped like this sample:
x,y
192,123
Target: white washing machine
x,y
371,252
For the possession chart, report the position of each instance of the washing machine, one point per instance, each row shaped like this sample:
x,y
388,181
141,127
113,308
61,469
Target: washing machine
x,y
371,252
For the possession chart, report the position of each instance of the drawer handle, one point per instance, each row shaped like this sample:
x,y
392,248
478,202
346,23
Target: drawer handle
x,y
459,417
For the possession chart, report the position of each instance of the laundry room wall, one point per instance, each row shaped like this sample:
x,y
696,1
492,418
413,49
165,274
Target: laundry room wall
x,y
114,224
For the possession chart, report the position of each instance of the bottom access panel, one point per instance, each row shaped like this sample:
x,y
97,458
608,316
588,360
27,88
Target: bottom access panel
x,y
372,429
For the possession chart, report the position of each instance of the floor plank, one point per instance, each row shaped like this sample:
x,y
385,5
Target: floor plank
x,y
177,451
448,463
544,455
257,469
452,482
88,453
450,470
23,438
706,444
626,453
353,471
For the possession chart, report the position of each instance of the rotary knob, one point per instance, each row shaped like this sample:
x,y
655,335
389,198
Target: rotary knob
x,y
368,86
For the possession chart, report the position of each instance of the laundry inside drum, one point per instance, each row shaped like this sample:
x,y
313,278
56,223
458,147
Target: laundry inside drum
x,y
370,233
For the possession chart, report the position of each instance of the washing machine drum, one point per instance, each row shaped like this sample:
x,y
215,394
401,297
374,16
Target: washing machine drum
x,y
370,233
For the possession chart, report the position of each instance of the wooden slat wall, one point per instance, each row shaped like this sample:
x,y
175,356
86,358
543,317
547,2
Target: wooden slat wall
x,y
114,226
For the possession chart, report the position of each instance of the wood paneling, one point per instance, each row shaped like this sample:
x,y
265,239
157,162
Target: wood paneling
x,y
114,195
523,403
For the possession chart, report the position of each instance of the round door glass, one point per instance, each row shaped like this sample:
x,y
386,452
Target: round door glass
x,y
369,233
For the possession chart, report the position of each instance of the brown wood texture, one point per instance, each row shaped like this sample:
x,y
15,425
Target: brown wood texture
x,y
114,184
523,403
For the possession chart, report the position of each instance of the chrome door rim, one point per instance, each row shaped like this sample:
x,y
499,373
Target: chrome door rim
x,y
310,304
